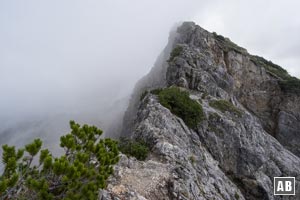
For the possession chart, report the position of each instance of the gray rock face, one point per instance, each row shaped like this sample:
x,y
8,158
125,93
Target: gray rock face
x,y
229,155
225,70
179,167
288,127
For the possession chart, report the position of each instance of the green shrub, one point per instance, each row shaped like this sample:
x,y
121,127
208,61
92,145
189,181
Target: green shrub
x,y
180,104
156,91
135,148
175,52
227,45
224,106
287,83
270,67
290,85
78,174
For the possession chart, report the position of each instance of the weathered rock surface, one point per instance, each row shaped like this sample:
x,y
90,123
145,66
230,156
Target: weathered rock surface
x,y
179,167
228,156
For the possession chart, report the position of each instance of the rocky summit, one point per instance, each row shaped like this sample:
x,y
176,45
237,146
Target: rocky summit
x,y
249,132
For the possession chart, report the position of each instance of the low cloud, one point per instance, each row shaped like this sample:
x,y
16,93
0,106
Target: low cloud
x,y
62,60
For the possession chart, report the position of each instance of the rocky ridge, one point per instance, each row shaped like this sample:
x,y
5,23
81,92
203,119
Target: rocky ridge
x,y
228,155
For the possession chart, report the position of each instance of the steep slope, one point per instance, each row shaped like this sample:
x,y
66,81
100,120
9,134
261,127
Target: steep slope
x,y
179,166
212,64
250,134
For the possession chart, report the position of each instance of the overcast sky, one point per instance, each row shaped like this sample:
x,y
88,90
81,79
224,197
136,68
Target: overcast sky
x,y
78,57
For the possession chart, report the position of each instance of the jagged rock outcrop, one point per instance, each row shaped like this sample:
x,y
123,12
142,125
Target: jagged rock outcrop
x,y
229,155
179,166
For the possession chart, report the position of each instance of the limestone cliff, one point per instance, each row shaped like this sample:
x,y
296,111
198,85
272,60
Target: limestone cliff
x,y
229,155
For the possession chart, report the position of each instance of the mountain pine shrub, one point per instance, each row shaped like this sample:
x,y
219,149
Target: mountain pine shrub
x,y
180,104
175,52
136,148
290,85
78,174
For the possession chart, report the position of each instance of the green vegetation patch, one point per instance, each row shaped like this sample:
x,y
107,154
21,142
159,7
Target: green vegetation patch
x,y
136,148
156,91
180,104
270,67
78,174
287,83
290,85
228,45
175,52
224,106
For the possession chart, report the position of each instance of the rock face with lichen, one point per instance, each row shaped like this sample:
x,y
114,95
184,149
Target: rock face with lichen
x,y
250,133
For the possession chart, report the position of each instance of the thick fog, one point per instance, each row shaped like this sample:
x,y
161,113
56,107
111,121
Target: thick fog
x,y
62,60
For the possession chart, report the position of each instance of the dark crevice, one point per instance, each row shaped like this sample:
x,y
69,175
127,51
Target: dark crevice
x,y
250,188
